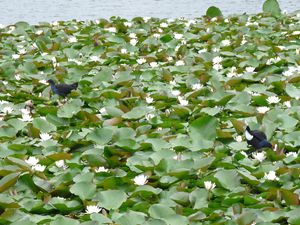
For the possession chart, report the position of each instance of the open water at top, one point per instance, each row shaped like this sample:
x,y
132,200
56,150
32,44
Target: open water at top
x,y
34,11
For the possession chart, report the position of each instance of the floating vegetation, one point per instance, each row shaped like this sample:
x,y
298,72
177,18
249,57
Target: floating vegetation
x,y
154,132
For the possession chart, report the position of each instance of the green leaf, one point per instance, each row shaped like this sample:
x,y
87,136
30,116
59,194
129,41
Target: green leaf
x,y
203,132
104,75
43,184
198,198
136,113
272,7
23,222
292,91
159,211
131,218
8,181
85,190
70,108
100,136
229,179
61,220
111,199
43,125
213,12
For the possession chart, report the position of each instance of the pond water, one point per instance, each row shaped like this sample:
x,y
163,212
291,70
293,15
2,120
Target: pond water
x,y
34,11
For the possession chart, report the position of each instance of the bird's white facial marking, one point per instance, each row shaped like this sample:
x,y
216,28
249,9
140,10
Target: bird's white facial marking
x,y
249,137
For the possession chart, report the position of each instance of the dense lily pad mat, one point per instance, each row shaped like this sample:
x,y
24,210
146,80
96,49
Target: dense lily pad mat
x,y
154,133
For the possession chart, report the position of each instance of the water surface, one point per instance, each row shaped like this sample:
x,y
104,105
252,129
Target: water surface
x,y
34,11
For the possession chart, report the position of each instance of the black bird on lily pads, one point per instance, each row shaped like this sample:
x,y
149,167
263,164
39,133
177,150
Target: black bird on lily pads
x,y
257,139
62,89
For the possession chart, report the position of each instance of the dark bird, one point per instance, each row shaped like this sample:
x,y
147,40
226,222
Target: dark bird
x,y
62,89
257,139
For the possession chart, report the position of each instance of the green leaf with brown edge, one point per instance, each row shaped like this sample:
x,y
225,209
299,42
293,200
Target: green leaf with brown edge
x,y
8,181
289,197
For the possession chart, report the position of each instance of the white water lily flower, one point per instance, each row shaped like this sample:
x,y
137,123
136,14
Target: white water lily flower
x,y
239,138
271,176
250,69
39,32
260,156
175,92
217,67
273,60
32,161
128,24
72,39
133,42
293,154
26,118
281,47
190,22
149,116
123,50
7,110
214,19
216,50
43,82
209,185
163,25
263,109
173,82
17,76
178,36
297,32
288,104
182,101
232,72
132,35
3,102
60,164
217,60
170,59
45,136
103,111
38,167
273,99
146,19
180,63
90,209
101,169
202,50
154,64
111,29
140,179
297,51
141,61
149,100
15,56
22,51
156,35
244,41
197,86
55,23
225,42
177,157
177,48
94,58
